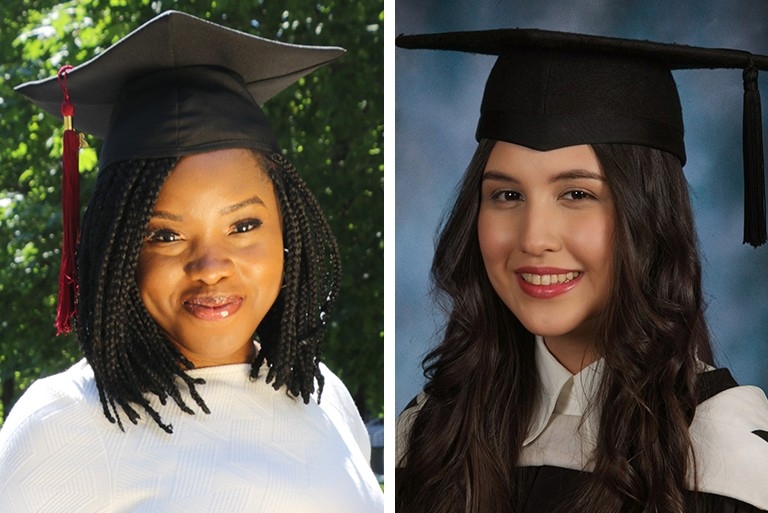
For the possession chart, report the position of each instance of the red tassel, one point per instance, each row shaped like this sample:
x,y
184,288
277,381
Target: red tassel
x,y
70,203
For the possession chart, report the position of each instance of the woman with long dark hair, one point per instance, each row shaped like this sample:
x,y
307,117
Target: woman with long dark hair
x,y
575,370
206,277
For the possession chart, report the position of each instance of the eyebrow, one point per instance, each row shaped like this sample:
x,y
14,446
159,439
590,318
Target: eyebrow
x,y
573,174
237,206
577,174
225,211
166,215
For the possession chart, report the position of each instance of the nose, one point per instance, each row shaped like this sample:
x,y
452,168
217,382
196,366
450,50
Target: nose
x,y
209,264
538,230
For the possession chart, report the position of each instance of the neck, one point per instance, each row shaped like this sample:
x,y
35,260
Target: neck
x,y
573,352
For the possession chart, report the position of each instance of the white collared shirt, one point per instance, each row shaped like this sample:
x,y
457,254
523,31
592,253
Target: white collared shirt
x,y
731,460
558,436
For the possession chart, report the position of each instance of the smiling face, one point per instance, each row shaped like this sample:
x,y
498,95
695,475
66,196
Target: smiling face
x,y
212,263
545,232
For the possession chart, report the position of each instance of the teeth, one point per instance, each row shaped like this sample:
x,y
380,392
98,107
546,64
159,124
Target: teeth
x,y
210,302
549,279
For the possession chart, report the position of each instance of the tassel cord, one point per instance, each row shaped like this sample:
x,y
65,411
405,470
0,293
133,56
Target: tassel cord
x,y
754,174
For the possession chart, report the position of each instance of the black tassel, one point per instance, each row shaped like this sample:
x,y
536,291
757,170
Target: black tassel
x,y
754,174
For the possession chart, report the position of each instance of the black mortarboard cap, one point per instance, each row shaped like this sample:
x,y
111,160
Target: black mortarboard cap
x,y
179,85
551,89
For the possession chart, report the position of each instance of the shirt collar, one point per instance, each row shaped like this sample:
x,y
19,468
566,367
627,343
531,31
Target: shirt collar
x,y
560,391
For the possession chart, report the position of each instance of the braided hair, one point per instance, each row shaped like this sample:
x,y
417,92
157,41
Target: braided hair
x,y
131,358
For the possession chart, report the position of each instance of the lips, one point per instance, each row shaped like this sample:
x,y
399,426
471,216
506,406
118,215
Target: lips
x,y
547,282
212,308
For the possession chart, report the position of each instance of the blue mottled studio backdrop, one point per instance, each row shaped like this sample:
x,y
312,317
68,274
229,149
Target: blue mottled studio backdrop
x,y
437,101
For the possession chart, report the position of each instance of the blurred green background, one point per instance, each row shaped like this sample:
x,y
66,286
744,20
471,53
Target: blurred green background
x,y
330,125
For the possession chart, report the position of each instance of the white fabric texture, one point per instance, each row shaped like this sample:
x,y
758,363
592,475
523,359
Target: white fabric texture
x,y
258,450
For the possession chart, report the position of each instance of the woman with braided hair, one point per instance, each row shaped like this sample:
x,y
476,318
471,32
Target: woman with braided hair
x,y
206,276
131,264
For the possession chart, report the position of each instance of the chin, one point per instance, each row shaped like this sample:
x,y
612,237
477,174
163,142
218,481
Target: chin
x,y
548,328
584,331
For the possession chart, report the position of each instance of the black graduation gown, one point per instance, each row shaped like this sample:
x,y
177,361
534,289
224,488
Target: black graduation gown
x,y
546,488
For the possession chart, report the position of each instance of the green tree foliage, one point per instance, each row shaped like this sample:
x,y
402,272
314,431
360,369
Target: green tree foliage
x,y
330,124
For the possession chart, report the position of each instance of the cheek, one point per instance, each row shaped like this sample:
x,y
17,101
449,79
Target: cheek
x,y
594,238
495,237
143,273
604,239
270,272
263,264
158,278
152,278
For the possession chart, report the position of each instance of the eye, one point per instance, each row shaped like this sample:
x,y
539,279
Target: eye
x,y
506,196
578,195
163,236
246,225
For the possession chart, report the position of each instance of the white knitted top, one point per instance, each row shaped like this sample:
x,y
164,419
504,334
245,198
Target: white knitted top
x,y
258,450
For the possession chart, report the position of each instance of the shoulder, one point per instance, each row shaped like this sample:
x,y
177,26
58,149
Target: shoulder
x,y
338,403
51,436
336,395
404,425
56,397
730,439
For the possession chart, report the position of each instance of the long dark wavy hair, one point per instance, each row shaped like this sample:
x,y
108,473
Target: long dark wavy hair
x,y
131,358
482,378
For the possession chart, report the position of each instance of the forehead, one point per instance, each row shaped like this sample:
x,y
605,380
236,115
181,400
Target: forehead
x,y
508,157
217,176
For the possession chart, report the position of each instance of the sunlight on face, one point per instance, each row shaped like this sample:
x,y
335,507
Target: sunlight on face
x,y
211,265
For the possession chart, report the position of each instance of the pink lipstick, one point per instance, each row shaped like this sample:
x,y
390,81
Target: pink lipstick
x,y
547,282
213,308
